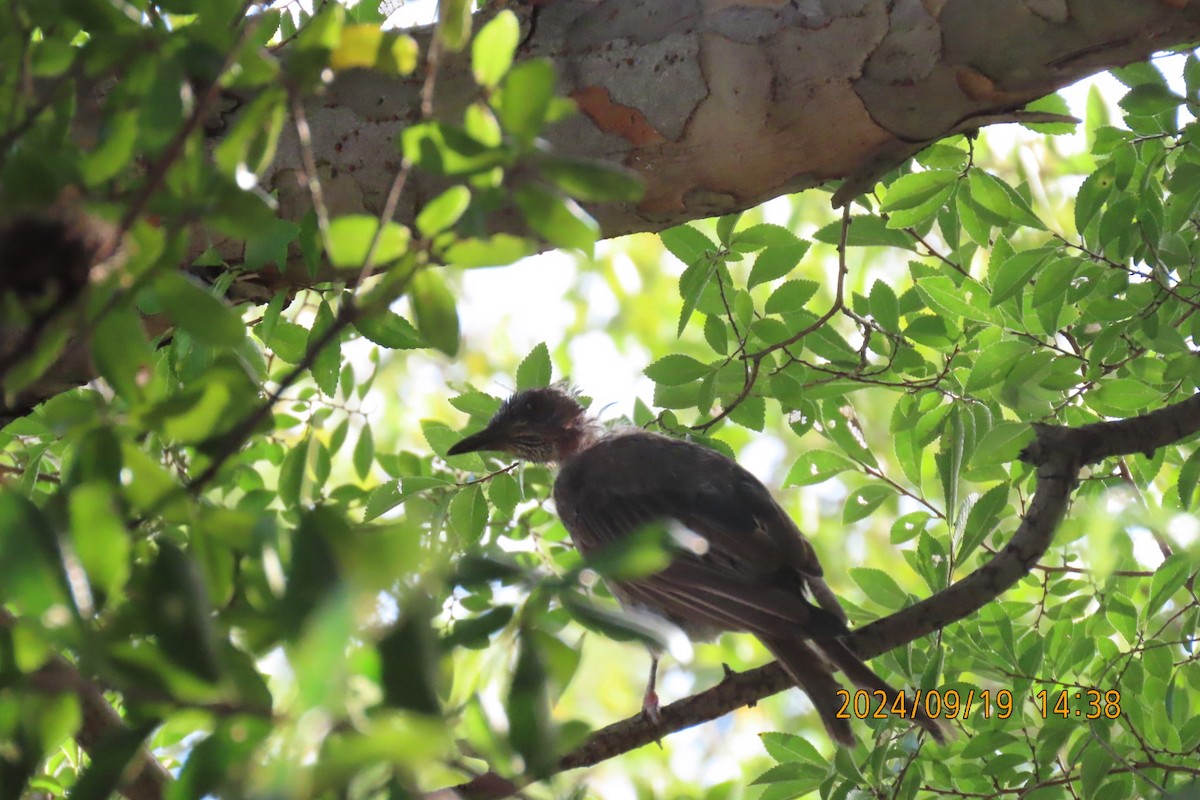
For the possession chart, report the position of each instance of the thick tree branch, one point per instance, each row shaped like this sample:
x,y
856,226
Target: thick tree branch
x,y
1058,453
147,778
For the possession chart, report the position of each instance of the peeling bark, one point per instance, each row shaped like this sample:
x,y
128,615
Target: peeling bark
x,y
718,104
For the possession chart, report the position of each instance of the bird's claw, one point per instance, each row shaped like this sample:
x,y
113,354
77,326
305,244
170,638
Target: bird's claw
x,y
651,710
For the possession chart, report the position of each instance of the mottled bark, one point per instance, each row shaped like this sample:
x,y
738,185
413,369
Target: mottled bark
x,y
717,104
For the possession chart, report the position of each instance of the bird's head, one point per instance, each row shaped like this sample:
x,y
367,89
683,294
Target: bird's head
x,y
545,424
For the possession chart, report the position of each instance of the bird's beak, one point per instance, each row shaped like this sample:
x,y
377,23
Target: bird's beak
x,y
486,439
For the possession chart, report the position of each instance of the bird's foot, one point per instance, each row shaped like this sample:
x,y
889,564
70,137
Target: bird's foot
x,y
651,710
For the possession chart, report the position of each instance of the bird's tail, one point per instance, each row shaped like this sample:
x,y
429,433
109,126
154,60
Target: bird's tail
x,y
813,675
864,677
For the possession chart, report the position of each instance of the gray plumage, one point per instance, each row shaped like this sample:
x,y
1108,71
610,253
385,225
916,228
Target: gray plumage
x,y
757,572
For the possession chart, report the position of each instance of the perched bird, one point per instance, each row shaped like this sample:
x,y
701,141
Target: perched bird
x,y
755,572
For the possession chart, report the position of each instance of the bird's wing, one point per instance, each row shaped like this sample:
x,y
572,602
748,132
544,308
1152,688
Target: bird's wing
x,y
752,575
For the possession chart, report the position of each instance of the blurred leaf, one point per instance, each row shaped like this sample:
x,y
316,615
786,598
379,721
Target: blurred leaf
x,y
98,537
198,312
108,762
497,250
29,570
524,99
350,238
122,354
493,48
532,730
180,614
364,452
592,181
558,220
408,662
469,514
443,211
388,329
435,311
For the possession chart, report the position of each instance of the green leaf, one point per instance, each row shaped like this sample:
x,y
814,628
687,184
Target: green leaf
x,y
676,369
982,518
1170,576
691,286
1053,104
1014,272
435,311
1001,444
949,460
885,308
504,493
99,537
1149,99
291,474
1093,769
1121,396
454,23
493,48
443,211
863,501
108,761
408,661
450,151
364,452
687,244
790,748
756,237
750,413
531,727
917,189
592,181
30,569
534,370
497,250
473,632
620,625
790,297
775,262
180,614
525,99
866,231
560,221
1189,474
994,363
328,362
468,514
944,297
817,466
350,238
880,587
198,312
213,761
388,329
636,555
122,354
114,149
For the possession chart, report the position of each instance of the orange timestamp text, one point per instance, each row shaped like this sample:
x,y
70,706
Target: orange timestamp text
x,y
934,704
954,704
